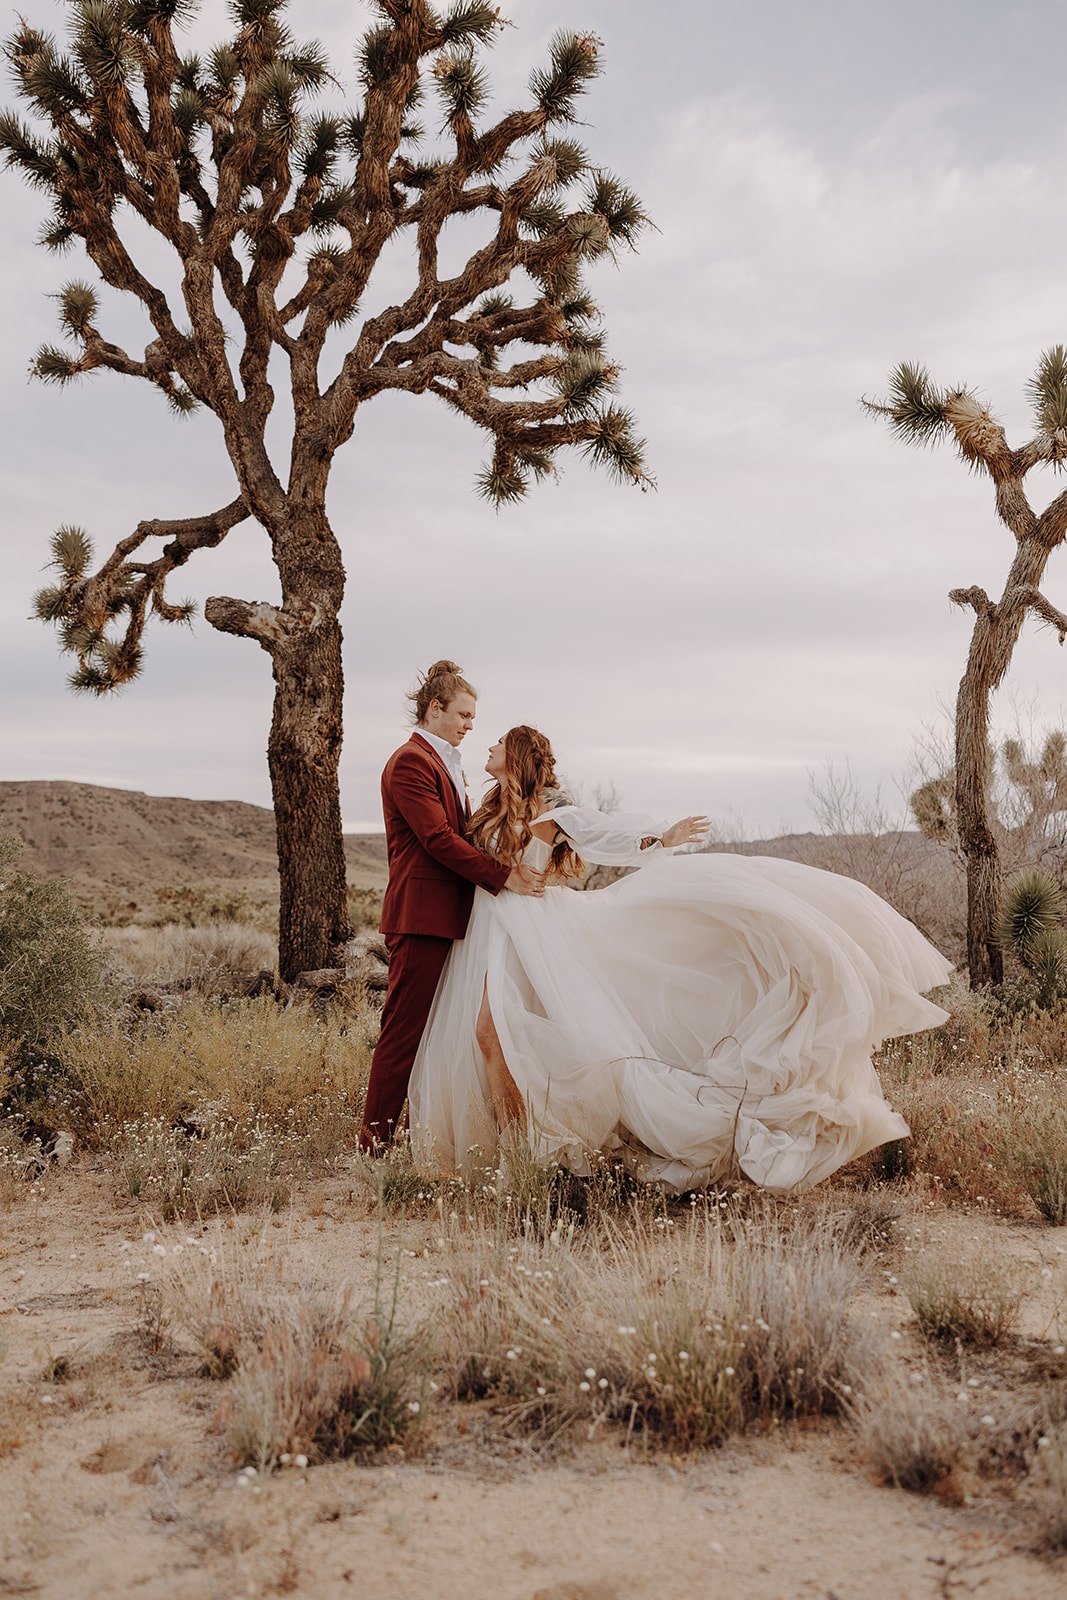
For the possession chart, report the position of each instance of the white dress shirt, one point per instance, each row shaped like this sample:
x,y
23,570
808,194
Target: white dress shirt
x,y
451,758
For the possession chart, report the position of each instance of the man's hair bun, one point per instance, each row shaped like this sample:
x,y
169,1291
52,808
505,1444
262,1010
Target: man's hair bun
x,y
442,682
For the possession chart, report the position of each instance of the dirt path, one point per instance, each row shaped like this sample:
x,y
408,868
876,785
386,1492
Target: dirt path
x,y
117,1485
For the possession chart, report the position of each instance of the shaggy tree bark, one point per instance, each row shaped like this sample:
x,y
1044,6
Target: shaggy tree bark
x,y
919,412
222,160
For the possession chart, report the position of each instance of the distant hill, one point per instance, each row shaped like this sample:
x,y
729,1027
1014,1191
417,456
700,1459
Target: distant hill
x,y
118,847
125,853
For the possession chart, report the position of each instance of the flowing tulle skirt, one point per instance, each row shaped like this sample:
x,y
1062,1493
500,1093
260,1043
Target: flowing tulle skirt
x,y
707,1013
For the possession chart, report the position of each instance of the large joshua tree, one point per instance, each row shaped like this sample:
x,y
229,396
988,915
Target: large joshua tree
x,y
921,413
276,218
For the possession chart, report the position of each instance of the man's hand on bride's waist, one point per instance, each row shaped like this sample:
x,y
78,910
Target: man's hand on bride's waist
x,y
524,880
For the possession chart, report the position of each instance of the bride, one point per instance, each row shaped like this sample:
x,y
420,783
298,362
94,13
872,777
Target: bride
x,y
707,1013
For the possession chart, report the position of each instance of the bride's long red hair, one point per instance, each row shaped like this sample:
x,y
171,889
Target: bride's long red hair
x,y
501,824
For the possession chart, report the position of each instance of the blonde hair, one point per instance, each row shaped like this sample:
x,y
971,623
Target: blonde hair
x,y
501,824
441,682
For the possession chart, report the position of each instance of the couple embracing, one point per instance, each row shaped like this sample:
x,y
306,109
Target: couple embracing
x,y
706,1015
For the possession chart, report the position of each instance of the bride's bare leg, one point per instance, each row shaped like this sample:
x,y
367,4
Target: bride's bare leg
x,y
503,1090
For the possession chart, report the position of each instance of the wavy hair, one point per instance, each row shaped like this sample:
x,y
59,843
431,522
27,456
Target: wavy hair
x,y
501,824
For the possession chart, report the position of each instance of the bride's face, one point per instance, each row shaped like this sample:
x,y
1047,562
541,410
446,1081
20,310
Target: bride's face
x,y
497,765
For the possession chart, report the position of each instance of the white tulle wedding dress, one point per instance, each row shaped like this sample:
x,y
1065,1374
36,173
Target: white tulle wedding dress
x,y
706,1014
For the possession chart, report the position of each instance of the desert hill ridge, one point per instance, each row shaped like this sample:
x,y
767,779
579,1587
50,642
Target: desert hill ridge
x,y
123,850
118,847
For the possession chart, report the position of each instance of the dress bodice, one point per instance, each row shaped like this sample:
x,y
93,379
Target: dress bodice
x,y
537,854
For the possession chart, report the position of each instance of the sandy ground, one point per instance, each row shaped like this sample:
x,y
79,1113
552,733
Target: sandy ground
x,y
115,1482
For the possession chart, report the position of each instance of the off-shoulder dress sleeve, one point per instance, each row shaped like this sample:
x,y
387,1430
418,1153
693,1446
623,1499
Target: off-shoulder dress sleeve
x,y
608,839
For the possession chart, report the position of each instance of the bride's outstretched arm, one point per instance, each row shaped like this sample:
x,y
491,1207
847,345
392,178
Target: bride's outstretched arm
x,y
622,838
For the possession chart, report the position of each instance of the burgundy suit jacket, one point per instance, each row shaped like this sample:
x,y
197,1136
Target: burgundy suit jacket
x,y
432,868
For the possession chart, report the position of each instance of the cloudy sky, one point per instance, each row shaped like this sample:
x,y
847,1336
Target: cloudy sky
x,y
837,185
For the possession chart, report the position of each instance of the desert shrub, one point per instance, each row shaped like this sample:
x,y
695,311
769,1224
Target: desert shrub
x,y
682,1336
963,1294
191,905
50,965
985,1105
364,908
217,1105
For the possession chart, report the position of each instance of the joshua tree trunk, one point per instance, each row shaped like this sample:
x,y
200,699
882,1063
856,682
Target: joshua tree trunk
x,y
303,752
985,962
303,639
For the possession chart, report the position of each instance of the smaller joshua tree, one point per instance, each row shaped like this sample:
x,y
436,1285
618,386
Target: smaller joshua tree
x,y
921,413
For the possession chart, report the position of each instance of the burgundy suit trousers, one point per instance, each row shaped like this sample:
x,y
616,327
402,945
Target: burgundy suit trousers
x,y
416,961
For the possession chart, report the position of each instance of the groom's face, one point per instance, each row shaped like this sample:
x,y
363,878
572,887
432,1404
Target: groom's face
x,y
454,721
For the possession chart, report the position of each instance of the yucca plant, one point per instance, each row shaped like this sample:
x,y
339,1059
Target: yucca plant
x,y
276,214
1030,926
920,412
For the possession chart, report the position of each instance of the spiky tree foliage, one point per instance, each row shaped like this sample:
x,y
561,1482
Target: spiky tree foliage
x,y
921,413
277,213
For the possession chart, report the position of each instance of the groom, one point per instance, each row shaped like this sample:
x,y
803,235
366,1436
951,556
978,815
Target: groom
x,y
432,873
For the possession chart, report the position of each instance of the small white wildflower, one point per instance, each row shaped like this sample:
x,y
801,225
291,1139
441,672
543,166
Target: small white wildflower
x,y
584,1387
414,1407
50,1399
541,1389
159,1249
683,1355
1059,1350
729,1371
972,1383
894,1334
590,1372
602,1383
285,1458
300,1461
988,1420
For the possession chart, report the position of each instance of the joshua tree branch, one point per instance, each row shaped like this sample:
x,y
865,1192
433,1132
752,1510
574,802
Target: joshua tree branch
x,y
256,619
975,597
1035,601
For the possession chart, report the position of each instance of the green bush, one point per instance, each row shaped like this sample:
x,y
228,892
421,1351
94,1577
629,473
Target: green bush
x,y
50,965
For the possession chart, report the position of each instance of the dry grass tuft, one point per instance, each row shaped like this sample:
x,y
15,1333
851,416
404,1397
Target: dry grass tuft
x,y
1038,1149
246,1060
984,1100
1049,1490
681,1335
206,959
324,1383
963,1294
305,1373
915,1437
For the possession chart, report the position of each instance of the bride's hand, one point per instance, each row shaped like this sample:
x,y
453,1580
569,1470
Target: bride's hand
x,y
691,830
